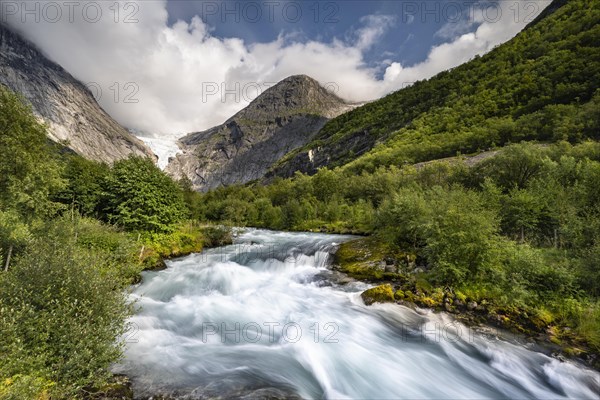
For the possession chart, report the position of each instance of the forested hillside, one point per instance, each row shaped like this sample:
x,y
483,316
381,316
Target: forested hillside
x,y
532,88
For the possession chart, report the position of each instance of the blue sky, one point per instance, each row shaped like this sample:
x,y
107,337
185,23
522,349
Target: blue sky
x,y
407,40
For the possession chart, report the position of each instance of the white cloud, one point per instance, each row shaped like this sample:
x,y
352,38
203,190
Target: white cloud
x,y
451,30
174,69
374,28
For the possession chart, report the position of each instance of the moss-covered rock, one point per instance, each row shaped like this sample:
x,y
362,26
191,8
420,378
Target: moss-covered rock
x,y
379,294
367,259
119,388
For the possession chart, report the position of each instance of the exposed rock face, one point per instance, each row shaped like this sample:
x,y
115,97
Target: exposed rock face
x,y
333,154
64,103
283,118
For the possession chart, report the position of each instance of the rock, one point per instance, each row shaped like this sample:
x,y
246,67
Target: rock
x,y
390,268
471,305
118,389
448,307
65,104
379,294
270,394
458,303
559,357
244,148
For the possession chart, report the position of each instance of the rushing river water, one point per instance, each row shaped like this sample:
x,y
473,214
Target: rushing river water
x,y
265,317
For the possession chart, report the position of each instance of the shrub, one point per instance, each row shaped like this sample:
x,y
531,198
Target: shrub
x,y
60,317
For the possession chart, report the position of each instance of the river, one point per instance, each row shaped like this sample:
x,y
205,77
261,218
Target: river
x,y
265,317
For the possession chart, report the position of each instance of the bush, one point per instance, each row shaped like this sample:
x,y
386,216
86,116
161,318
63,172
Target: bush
x,y
216,236
119,250
61,317
184,240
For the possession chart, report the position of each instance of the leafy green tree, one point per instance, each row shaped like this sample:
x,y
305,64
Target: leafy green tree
x,y
84,185
589,270
528,268
14,235
462,242
521,214
516,166
29,170
192,199
326,184
401,219
268,215
139,196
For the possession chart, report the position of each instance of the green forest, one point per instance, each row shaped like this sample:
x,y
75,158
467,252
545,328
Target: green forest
x,y
483,188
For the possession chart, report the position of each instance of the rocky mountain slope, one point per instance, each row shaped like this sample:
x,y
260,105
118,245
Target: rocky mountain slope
x,y
64,103
283,118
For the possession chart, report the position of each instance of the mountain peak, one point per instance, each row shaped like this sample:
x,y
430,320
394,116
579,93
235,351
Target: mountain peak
x,y
299,77
296,94
282,118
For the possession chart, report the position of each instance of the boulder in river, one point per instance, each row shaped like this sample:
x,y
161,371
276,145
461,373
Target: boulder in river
x,y
379,294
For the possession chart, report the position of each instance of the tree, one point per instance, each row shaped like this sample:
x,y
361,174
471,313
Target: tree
x,y
521,213
402,218
138,196
462,239
29,170
84,184
516,166
14,234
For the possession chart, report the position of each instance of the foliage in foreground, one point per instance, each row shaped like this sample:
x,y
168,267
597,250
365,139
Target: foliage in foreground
x,y
62,313
63,302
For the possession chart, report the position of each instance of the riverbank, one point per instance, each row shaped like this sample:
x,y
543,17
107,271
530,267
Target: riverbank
x,y
402,280
185,240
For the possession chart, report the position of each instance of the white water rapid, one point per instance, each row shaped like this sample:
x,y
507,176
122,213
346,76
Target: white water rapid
x,y
265,318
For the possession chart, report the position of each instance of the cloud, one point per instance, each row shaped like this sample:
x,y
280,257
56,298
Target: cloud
x,y
452,30
496,24
179,78
374,28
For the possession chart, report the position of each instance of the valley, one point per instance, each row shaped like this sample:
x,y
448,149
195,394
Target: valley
x,y
468,201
